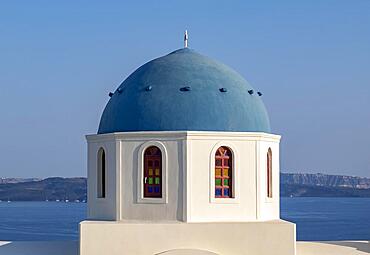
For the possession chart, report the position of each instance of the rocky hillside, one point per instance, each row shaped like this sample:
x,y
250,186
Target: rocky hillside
x,y
51,189
17,180
325,180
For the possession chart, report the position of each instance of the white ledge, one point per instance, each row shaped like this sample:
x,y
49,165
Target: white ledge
x,y
182,135
71,248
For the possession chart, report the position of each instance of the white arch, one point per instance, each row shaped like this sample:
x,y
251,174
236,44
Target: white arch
x,y
187,252
101,173
269,184
140,185
235,174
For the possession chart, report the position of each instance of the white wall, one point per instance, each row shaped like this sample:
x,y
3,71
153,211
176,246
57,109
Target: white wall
x,y
101,208
170,208
244,205
231,238
189,177
123,153
268,208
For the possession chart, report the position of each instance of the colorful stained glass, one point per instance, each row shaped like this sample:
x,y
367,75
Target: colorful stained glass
x,y
152,172
153,151
218,192
218,162
218,182
218,172
223,173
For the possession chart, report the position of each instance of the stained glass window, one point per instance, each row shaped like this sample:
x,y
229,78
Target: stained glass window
x,y
218,192
218,172
153,172
223,173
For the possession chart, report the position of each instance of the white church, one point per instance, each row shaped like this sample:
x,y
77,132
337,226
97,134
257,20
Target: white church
x,y
184,162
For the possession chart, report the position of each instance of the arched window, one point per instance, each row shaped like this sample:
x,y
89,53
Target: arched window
x,y
101,178
153,172
269,173
223,173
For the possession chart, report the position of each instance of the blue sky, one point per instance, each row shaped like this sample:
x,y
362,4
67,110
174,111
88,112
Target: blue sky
x,y
60,59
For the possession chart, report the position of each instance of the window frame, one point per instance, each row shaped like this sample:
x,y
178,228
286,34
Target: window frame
x,y
235,199
101,189
222,177
151,173
141,168
269,175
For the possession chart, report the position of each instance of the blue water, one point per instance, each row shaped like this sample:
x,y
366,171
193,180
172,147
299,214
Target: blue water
x,y
39,221
316,219
322,219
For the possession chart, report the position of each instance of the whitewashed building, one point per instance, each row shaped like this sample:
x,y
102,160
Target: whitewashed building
x,y
184,162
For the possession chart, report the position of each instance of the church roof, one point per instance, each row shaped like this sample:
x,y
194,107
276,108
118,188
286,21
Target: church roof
x,y
185,91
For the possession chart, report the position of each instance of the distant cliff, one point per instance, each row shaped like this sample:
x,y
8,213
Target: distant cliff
x,y
298,190
51,189
323,185
17,180
291,185
325,180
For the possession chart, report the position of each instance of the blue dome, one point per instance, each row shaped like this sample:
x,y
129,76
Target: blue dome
x,y
184,91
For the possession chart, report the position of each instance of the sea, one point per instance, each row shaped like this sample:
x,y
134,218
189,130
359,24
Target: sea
x,y
317,219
